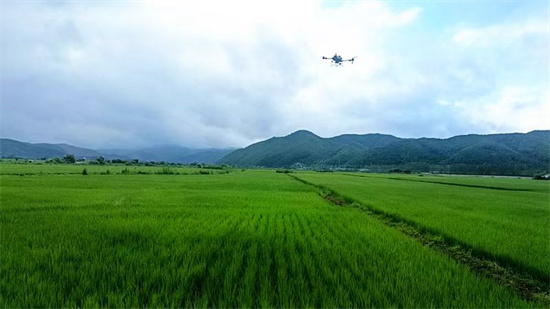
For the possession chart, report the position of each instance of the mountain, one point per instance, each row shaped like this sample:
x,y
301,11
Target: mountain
x,y
10,148
171,153
300,146
495,152
531,149
69,149
166,153
506,154
209,156
305,148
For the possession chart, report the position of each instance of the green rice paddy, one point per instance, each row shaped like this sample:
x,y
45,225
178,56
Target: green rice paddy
x,y
507,219
252,239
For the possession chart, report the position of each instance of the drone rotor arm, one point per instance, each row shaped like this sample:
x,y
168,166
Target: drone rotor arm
x,y
351,59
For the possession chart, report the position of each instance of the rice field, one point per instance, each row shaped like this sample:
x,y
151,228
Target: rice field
x,y
242,239
507,219
20,169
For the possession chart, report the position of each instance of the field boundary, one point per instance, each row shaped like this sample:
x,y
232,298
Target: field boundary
x,y
452,184
527,286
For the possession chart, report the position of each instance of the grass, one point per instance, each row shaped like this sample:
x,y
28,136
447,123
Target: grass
x,y
506,219
247,239
522,283
488,182
20,169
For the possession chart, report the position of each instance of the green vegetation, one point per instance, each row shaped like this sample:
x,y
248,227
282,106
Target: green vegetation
x,y
498,154
284,171
60,169
306,148
15,149
69,159
507,219
241,239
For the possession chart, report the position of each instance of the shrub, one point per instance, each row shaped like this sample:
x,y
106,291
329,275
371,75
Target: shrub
x,y
166,171
84,171
55,161
283,171
213,167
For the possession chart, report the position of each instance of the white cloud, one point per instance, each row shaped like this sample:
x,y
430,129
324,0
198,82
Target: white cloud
x,y
220,73
510,109
500,34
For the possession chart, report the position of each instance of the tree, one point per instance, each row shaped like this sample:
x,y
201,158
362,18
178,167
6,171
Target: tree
x,y
54,161
100,160
69,158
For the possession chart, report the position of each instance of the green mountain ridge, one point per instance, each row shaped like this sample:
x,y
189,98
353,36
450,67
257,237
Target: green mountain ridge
x,y
510,153
16,149
506,154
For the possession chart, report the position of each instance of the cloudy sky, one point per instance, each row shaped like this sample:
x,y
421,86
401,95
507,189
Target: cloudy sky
x,y
229,73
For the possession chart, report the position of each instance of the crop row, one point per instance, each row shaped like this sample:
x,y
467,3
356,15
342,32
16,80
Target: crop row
x,y
78,169
251,239
506,219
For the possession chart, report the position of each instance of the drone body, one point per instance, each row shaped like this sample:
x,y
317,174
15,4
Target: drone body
x,y
337,60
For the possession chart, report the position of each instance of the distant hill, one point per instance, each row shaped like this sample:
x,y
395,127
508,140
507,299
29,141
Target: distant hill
x,y
513,153
304,147
69,149
504,154
209,156
170,153
10,148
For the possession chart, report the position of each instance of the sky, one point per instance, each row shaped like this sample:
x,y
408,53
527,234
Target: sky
x,y
216,74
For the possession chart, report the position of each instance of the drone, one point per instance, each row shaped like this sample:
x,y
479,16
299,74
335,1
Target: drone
x,y
337,60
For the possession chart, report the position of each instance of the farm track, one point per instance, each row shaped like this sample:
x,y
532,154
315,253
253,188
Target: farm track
x,y
528,287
